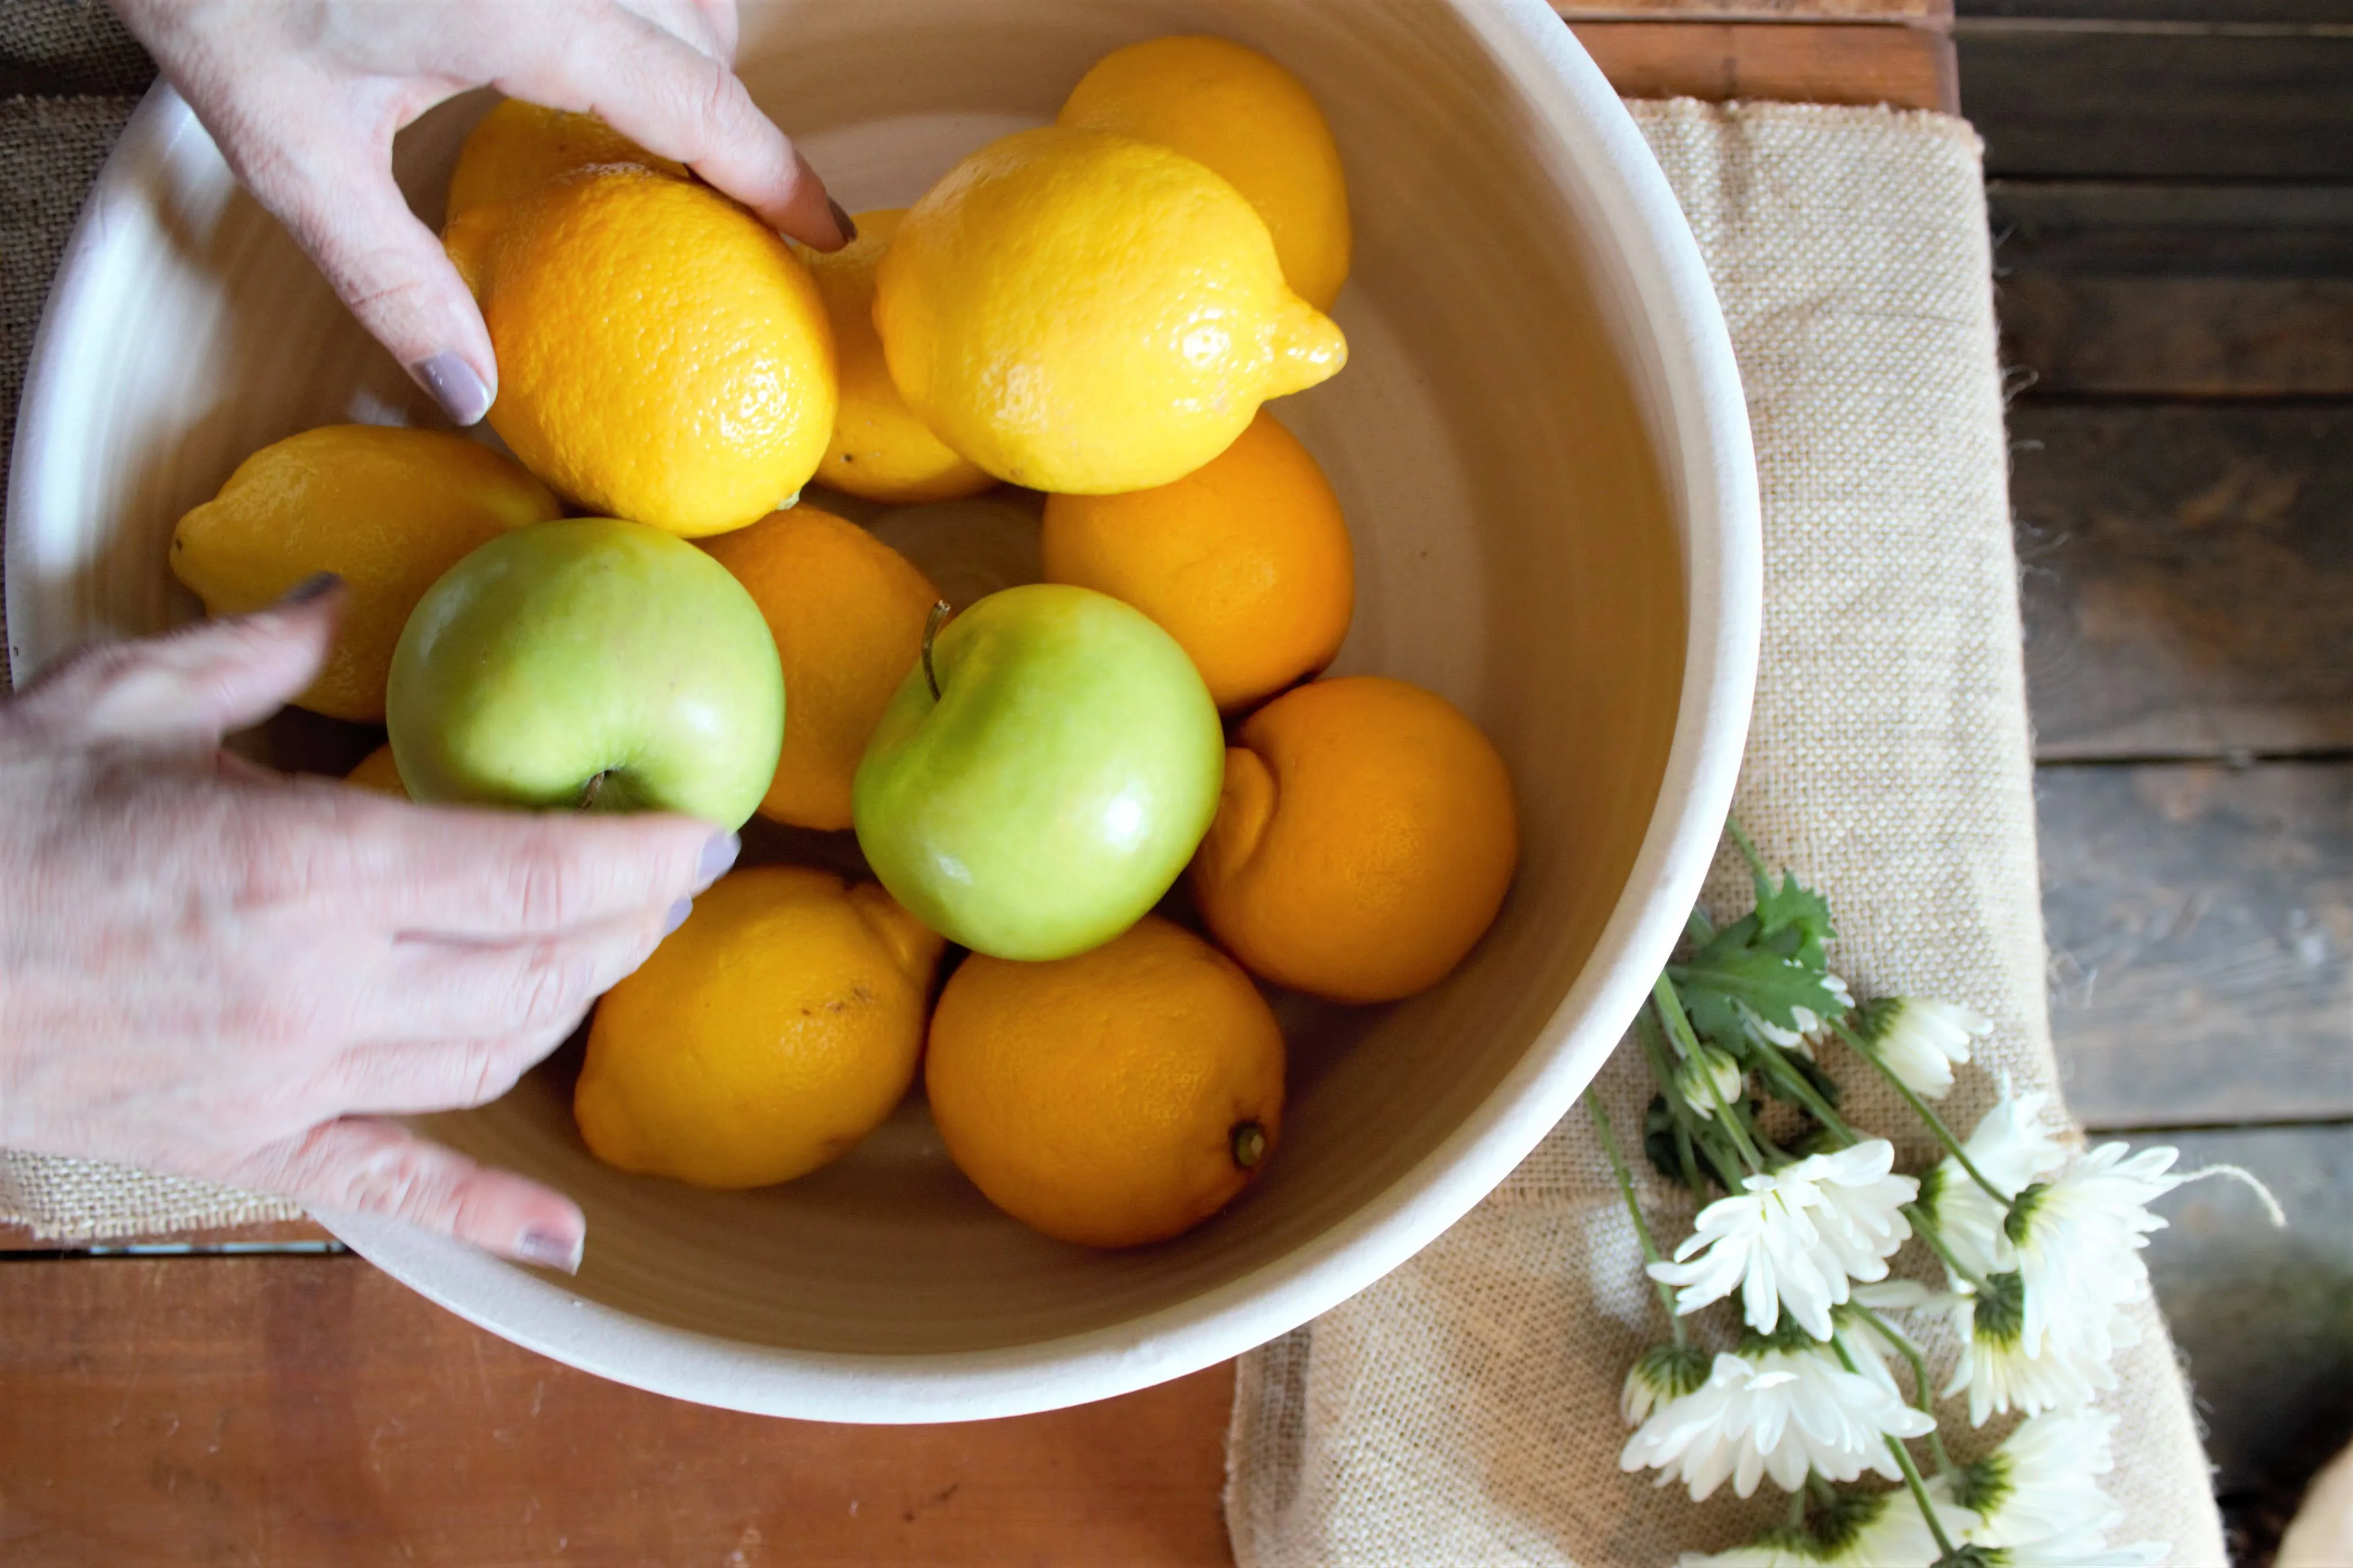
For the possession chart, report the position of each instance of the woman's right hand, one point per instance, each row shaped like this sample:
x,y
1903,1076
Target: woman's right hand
x,y
213,970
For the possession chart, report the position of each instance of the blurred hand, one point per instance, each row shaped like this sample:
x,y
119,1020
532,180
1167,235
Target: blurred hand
x,y
210,969
304,96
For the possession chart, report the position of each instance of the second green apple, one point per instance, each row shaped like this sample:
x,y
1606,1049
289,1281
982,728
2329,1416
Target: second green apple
x,y
1037,785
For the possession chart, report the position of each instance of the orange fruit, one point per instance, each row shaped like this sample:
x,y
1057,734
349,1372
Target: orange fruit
x,y
879,450
1120,1096
1245,562
518,147
1363,842
1247,118
848,613
387,509
663,355
766,1036
377,771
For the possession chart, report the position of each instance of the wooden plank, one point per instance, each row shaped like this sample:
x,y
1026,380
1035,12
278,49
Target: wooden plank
x,y
2263,1318
2187,588
1906,67
1931,11
311,1410
287,1235
2200,926
2190,11
2164,101
2173,229
2102,335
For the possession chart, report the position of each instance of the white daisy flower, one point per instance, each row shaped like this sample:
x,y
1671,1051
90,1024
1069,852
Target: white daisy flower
x,y
1921,1040
2014,1148
1862,1529
2043,1481
1999,1373
1661,1374
2078,1239
1796,1237
2078,1549
1779,1413
1708,1078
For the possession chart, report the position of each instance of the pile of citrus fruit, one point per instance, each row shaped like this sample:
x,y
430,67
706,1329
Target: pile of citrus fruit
x,y
1096,310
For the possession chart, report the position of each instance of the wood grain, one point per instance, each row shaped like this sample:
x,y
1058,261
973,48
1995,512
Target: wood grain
x,y
2184,337
311,1410
1907,67
2192,100
2262,1316
1930,11
2200,925
2188,584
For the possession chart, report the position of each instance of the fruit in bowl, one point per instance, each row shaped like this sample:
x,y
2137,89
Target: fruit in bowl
x,y
386,510
1084,313
1042,775
663,355
589,663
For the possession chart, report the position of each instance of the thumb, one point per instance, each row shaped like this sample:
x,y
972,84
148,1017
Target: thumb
x,y
363,1166
197,684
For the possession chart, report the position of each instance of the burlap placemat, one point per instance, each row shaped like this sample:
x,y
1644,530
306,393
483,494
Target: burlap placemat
x,y
1465,1410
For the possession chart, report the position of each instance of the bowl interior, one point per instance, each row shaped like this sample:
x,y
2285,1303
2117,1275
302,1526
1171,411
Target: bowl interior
x,y
1517,551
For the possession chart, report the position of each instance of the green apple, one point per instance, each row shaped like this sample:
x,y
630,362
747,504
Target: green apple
x,y
589,663
1043,774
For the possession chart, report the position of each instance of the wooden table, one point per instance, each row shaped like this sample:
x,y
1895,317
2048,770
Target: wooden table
x,y
294,1405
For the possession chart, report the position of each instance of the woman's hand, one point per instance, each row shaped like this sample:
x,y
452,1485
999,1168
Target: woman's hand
x,y
304,96
221,972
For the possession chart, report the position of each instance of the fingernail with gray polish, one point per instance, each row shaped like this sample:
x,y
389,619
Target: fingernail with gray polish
x,y
842,220
717,855
677,916
551,1249
454,385
317,585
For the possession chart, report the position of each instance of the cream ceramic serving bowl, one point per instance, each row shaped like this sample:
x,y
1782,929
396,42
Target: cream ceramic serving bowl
x,y
1542,448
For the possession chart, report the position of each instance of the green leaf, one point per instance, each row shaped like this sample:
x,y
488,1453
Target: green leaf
x,y
1719,980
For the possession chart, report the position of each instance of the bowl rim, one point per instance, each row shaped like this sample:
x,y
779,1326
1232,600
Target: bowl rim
x,y
1723,570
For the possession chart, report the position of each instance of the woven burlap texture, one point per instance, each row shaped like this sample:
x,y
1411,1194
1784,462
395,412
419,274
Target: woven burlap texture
x,y
1463,1410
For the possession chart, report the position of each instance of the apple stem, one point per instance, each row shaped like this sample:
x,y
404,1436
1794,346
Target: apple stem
x,y
589,791
1248,1140
932,623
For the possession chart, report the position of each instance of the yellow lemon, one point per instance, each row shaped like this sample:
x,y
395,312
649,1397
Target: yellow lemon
x,y
848,613
879,450
386,510
663,355
1120,1096
1083,313
766,1036
519,147
1248,119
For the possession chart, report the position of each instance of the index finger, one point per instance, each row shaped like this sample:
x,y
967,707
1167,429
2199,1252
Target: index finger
x,y
497,876
669,97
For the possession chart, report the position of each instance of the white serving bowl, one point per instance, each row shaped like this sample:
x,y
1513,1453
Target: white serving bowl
x,y
1543,452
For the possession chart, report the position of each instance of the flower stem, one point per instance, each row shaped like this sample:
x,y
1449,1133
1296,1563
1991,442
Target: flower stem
x,y
1921,1397
1687,1137
1911,1473
1806,1095
1634,1211
1923,1224
1747,850
1687,1043
1797,1508
1920,1109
